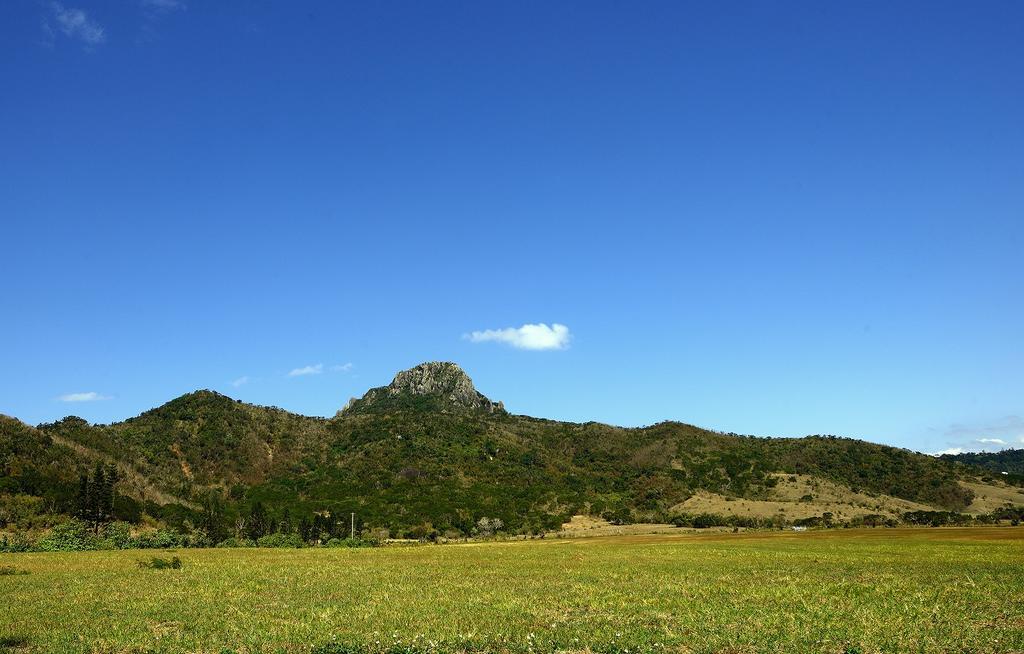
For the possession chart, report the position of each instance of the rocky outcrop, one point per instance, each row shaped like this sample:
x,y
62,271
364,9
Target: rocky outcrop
x,y
442,381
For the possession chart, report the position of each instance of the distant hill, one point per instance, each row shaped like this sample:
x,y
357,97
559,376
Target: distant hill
x,y
1010,462
430,453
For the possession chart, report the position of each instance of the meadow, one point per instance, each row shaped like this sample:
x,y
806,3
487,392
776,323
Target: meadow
x,y
881,590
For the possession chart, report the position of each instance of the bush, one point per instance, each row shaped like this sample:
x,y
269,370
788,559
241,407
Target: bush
x,y
280,540
236,542
70,536
19,509
9,570
17,542
156,563
702,521
353,542
936,518
117,536
161,539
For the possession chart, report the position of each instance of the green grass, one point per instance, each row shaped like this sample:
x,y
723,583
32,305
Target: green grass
x,y
927,590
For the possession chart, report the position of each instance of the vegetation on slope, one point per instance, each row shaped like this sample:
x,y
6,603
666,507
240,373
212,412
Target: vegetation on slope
x,y
1008,464
431,456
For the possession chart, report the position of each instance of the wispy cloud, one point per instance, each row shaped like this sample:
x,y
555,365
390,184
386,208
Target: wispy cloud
x,y
75,24
241,381
162,5
528,337
1011,425
91,396
992,435
307,370
153,12
344,367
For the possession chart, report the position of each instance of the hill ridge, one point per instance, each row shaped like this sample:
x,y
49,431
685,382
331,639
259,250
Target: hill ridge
x,y
429,449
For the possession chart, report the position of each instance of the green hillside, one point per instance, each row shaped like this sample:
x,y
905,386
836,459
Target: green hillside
x,y
1008,463
429,454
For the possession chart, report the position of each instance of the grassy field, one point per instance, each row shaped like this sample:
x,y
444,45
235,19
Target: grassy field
x,y
928,590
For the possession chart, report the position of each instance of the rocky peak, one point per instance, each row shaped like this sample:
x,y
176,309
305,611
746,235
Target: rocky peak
x,y
443,381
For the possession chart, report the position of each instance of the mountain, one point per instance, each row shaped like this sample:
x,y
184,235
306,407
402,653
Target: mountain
x,y
429,453
439,386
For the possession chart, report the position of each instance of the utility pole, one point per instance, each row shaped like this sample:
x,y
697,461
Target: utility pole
x,y
353,526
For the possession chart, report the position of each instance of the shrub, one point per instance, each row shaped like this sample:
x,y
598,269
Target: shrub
x,y
705,520
936,518
18,509
70,536
353,542
161,539
236,542
117,536
9,570
17,542
156,563
280,540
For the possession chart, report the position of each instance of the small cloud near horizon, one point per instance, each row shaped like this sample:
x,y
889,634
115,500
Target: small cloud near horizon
x,y
528,337
91,396
307,370
318,369
241,381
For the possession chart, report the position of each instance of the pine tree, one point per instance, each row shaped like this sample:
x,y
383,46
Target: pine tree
x,y
107,494
306,530
83,503
257,523
98,496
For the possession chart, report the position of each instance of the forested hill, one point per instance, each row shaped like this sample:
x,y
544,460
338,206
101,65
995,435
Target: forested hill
x,y
1008,462
429,452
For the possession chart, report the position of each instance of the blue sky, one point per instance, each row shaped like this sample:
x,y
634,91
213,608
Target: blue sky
x,y
767,218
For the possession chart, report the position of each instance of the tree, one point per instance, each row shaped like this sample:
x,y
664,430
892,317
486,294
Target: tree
x,y
105,495
306,530
284,526
95,498
83,502
212,521
257,522
488,526
98,497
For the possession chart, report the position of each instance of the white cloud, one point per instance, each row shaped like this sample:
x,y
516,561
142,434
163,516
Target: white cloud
x,y
76,24
241,381
992,441
952,450
527,337
91,396
345,367
307,370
